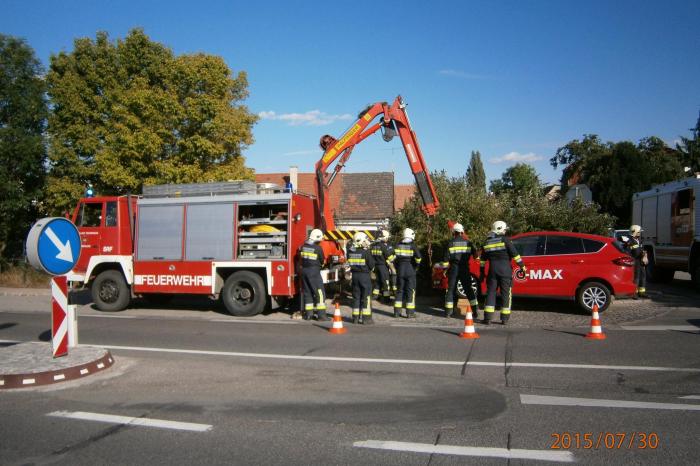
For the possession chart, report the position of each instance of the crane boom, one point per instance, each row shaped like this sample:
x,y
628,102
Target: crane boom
x,y
394,119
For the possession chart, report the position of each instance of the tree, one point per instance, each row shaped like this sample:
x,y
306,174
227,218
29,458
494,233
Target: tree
x,y
689,149
22,151
521,178
476,177
131,113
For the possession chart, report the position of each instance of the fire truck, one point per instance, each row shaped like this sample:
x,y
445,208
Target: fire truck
x,y
669,215
236,241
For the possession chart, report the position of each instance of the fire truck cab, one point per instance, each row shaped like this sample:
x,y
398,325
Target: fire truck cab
x,y
230,240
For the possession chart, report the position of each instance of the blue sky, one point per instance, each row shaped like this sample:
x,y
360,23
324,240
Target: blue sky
x,y
512,79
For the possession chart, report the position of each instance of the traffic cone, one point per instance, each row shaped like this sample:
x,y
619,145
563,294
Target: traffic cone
x,y
596,332
337,326
469,331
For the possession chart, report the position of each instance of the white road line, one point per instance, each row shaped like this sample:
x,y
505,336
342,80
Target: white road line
x,y
132,421
399,361
595,403
111,317
540,455
653,328
690,397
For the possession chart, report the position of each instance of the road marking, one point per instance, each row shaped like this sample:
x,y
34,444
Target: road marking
x,y
541,455
398,361
132,421
690,397
595,403
656,328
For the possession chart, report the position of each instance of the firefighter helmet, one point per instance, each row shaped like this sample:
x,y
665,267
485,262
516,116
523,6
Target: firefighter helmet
x,y
635,230
499,227
409,234
360,240
316,235
457,228
384,235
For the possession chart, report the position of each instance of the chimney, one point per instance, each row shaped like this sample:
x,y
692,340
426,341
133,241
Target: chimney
x,y
294,177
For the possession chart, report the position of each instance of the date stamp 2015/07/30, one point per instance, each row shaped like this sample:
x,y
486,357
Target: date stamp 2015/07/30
x,y
604,440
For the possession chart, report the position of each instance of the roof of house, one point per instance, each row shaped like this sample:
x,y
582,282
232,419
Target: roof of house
x,y
353,196
402,194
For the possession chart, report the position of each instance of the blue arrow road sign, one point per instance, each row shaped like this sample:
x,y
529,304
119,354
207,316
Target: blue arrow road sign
x,y
53,245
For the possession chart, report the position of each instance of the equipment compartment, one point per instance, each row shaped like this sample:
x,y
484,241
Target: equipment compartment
x,y
263,231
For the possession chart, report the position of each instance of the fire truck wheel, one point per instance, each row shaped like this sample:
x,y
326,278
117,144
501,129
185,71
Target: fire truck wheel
x,y
592,293
244,294
110,292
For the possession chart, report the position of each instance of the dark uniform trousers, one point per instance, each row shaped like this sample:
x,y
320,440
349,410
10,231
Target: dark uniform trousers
x,y
361,294
459,273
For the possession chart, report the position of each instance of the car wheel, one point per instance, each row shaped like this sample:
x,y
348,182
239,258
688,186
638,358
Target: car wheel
x,y
110,292
475,287
591,294
244,294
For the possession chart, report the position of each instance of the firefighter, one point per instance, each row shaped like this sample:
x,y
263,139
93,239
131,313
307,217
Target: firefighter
x,y
361,264
459,251
634,246
499,251
383,254
312,260
407,260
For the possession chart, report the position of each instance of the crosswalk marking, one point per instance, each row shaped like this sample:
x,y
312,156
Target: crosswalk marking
x,y
428,448
132,421
596,403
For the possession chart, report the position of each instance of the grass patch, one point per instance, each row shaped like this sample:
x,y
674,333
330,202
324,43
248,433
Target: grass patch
x,y
22,275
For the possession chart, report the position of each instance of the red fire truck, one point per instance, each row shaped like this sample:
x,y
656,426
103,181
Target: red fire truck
x,y
230,240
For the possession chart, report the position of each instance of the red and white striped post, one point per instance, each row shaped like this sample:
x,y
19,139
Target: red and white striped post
x,y
59,319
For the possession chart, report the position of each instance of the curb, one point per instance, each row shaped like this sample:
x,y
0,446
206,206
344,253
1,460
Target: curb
x,y
27,379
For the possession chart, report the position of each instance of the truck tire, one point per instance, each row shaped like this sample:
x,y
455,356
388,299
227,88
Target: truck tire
x,y
591,293
244,294
110,292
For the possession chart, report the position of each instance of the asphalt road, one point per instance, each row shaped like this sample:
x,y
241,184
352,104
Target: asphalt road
x,y
277,391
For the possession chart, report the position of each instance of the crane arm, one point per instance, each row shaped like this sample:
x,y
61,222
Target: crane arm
x,y
393,119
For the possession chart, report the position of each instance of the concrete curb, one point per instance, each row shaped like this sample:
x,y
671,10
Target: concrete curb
x,y
31,364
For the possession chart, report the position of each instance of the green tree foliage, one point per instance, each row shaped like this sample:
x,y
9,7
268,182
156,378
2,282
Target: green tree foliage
x,y
476,177
615,171
690,149
130,112
527,210
23,113
520,179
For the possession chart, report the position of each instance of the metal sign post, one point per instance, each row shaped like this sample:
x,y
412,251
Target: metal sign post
x,y
53,246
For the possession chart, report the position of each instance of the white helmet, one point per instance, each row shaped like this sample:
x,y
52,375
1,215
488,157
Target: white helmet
x,y
457,228
499,227
316,235
409,234
384,235
635,230
360,240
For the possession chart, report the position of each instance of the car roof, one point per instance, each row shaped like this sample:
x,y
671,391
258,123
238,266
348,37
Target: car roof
x,y
606,239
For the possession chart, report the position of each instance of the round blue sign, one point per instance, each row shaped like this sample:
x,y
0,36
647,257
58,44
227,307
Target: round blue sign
x,y
53,244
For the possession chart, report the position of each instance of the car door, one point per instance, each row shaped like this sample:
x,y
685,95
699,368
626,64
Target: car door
x,y
89,222
563,265
530,248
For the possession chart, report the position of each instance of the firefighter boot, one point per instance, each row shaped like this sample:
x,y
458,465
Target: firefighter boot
x,y
367,320
322,316
411,314
397,313
504,319
308,315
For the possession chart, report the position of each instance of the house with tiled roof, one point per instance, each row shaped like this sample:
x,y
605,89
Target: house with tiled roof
x,y
358,201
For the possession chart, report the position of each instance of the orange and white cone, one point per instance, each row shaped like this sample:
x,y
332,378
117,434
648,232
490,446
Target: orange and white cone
x,y
469,331
337,326
596,332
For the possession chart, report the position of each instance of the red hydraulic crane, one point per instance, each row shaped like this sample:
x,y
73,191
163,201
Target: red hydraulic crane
x,y
393,119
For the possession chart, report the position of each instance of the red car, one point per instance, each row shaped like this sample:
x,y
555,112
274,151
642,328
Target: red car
x,y
590,269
